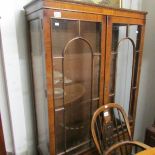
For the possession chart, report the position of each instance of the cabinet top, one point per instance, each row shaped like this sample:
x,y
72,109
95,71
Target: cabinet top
x,y
82,7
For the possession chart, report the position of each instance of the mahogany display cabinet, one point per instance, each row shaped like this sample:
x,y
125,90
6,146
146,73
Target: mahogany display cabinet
x,y
82,56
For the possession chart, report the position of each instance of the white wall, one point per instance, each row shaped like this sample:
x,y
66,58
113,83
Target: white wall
x,y
13,31
4,107
21,31
132,4
146,100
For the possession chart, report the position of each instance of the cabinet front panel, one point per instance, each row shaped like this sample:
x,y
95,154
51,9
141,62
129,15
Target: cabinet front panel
x,y
76,47
123,54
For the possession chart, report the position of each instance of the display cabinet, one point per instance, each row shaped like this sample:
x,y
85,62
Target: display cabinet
x,y
82,56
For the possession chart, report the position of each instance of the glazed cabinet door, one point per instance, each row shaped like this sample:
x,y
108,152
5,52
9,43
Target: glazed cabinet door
x,y
123,60
78,59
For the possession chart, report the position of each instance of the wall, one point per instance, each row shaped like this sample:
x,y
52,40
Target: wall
x,y
15,100
132,4
4,106
21,34
146,100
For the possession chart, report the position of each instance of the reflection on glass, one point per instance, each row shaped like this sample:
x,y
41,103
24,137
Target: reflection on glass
x,y
124,73
124,65
76,81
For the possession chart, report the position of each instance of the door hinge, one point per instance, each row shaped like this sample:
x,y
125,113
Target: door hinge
x,y
45,93
41,23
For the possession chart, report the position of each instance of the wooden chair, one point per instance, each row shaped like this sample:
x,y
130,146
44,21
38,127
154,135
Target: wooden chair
x,y
110,126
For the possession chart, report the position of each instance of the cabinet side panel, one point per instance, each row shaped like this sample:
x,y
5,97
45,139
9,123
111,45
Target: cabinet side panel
x,y
38,66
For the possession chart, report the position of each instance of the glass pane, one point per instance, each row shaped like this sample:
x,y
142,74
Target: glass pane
x,y
124,65
96,76
59,125
124,74
77,67
58,83
39,79
62,32
92,34
76,81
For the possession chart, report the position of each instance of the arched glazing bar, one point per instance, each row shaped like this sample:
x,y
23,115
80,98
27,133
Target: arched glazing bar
x,y
64,54
116,52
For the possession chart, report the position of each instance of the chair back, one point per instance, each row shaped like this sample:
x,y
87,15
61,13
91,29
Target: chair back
x,y
109,126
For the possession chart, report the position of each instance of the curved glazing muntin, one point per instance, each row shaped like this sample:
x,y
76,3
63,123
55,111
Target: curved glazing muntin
x,y
75,39
133,65
63,71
